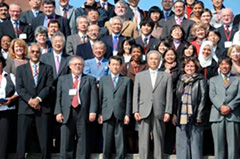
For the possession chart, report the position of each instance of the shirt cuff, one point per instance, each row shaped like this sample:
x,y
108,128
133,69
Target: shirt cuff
x,y
40,100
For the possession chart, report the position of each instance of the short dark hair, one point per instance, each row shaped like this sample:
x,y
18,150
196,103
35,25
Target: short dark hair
x,y
147,22
165,42
180,2
3,4
138,47
49,2
226,59
164,54
194,60
117,58
154,9
130,40
93,9
186,46
54,21
3,61
215,31
177,26
198,2
206,10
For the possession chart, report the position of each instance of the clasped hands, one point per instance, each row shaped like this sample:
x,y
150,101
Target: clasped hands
x,y
166,117
225,110
34,103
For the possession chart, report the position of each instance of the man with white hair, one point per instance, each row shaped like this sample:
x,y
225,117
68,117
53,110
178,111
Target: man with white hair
x,y
227,30
129,27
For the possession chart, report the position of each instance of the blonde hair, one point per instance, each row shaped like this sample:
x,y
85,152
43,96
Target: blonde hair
x,y
237,47
20,43
199,25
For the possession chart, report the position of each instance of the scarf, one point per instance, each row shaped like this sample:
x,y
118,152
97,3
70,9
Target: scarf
x,y
187,110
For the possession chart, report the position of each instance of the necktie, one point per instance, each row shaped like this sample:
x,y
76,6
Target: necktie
x,y
135,16
166,15
35,74
84,39
145,41
179,21
115,43
104,5
75,102
57,64
227,29
36,13
99,64
226,81
153,78
114,79
16,28
65,12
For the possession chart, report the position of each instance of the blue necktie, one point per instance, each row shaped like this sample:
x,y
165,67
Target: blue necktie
x,y
114,81
115,43
35,74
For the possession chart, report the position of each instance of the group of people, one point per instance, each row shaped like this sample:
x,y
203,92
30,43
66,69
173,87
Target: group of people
x,y
104,77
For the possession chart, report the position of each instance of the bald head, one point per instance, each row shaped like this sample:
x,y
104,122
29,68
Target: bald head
x,y
227,16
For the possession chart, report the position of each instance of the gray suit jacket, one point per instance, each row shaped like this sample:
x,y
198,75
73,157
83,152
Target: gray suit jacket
x,y
73,13
158,99
72,42
87,92
27,16
230,96
115,101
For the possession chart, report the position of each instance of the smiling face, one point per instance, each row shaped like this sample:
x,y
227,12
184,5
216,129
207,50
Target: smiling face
x,y
99,50
116,25
206,17
63,3
190,68
3,13
177,33
214,38
200,33
189,51
227,16
235,55
58,44
155,16
136,54
170,57
126,47
34,53
197,10
15,11
41,38
76,66
153,61
206,51
48,9
120,10
146,29
82,24
115,66
179,9
35,4
5,42
224,67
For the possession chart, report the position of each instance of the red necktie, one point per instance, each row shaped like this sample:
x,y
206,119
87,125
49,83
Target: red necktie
x,y
75,102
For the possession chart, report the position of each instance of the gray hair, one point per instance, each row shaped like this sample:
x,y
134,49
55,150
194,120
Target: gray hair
x,y
75,58
100,43
116,17
34,44
58,34
82,16
154,52
40,30
121,3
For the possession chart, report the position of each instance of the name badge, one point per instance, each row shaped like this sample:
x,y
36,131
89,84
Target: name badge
x,y
23,36
227,44
72,92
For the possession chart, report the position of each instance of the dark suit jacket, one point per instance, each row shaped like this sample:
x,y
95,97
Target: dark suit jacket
x,y
85,51
87,91
186,25
64,25
63,69
109,44
151,44
130,14
115,101
236,20
110,12
26,88
27,16
223,37
6,28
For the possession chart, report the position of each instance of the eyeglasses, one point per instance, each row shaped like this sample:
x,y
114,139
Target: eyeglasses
x,y
77,64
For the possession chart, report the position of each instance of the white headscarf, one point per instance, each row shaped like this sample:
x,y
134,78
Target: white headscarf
x,y
207,61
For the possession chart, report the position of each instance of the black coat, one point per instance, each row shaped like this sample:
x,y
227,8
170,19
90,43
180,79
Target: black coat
x,y
199,99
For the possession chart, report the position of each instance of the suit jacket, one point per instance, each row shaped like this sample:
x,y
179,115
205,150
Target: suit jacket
x,y
91,68
221,95
85,51
110,11
186,25
223,37
236,20
158,99
26,88
115,101
73,13
108,40
48,59
153,42
27,16
71,45
129,29
88,95
130,14
64,24
6,28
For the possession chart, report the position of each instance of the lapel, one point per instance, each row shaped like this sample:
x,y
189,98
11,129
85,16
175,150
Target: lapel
x,y
110,82
70,11
82,82
231,79
151,40
52,61
29,74
69,81
125,26
62,63
158,79
11,29
148,79
119,83
41,72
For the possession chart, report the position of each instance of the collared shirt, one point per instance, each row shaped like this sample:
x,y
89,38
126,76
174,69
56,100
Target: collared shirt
x,y
181,18
31,64
117,76
45,23
81,35
113,35
59,56
229,26
151,70
91,43
79,80
13,23
148,38
4,54
228,76
101,2
3,85
135,9
35,12
61,10
99,60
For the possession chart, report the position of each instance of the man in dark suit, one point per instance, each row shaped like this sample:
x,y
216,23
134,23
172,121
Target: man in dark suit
x,y
76,105
167,9
4,11
34,11
108,7
85,50
33,83
115,93
152,105
146,40
48,15
236,20
79,38
179,19
227,30
14,27
114,41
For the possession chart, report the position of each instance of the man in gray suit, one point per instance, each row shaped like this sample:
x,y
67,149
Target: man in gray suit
x,y
76,105
115,108
152,105
81,37
225,111
68,11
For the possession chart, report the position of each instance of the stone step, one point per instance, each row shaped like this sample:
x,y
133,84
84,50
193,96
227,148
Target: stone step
x,y
94,156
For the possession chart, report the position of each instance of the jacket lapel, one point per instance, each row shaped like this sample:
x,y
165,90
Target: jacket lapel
x,y
62,64
119,82
29,73
158,79
110,83
125,26
41,71
82,82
